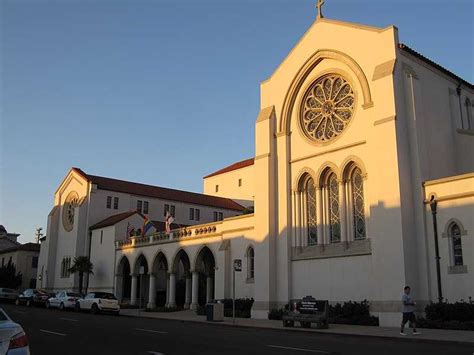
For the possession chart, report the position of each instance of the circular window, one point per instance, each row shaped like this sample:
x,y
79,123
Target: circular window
x,y
68,210
327,108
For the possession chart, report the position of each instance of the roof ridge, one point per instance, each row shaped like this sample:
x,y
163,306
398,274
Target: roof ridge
x,y
234,166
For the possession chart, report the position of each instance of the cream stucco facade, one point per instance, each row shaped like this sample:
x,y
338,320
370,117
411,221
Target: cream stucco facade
x,y
354,132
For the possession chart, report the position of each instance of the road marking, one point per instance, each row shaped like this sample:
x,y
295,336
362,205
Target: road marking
x,y
151,331
20,312
155,353
70,319
299,349
50,332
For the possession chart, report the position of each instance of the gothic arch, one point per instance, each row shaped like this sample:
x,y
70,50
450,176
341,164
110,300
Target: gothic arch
x,y
301,175
450,223
349,164
180,255
201,256
306,69
322,173
160,256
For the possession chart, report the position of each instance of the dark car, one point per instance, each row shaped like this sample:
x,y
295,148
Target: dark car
x,y
31,297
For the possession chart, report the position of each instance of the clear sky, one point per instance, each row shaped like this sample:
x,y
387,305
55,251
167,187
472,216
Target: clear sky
x,y
163,92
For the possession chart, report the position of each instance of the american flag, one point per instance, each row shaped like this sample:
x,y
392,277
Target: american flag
x,y
168,220
130,230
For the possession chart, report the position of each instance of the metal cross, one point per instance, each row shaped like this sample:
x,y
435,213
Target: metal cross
x,y
319,6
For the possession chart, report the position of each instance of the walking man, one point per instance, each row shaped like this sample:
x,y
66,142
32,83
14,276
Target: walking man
x,y
408,312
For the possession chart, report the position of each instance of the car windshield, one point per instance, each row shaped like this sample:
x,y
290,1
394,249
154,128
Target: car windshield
x,y
105,295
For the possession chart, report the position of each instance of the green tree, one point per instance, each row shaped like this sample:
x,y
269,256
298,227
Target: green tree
x,y
9,278
81,265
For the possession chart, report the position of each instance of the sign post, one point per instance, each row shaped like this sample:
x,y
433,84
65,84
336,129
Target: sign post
x,y
237,268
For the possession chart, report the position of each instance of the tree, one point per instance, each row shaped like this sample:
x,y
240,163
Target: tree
x,y
81,265
9,278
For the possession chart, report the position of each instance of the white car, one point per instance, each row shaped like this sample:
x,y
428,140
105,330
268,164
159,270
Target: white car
x,y
8,294
96,302
13,339
63,300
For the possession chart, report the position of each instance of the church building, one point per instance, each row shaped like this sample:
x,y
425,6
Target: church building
x,y
360,141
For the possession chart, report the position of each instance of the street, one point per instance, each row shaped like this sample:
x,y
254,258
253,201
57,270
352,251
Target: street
x,y
59,332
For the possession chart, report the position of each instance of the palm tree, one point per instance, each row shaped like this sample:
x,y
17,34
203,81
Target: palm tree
x,y
81,265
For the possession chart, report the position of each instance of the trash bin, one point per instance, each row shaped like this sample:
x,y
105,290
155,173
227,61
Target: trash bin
x,y
215,312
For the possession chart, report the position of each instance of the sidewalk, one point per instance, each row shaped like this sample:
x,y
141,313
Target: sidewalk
x,y
430,335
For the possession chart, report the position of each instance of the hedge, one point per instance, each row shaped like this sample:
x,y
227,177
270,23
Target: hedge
x,y
243,307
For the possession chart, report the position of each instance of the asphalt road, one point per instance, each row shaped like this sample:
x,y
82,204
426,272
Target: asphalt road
x,y
55,332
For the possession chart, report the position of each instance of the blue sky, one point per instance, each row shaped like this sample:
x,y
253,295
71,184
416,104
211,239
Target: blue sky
x,y
163,92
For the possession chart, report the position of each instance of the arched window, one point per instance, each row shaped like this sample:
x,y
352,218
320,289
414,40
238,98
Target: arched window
x,y
333,209
250,263
470,119
358,215
310,191
456,245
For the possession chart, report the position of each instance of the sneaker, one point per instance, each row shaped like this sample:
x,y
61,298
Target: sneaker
x,y
403,333
416,332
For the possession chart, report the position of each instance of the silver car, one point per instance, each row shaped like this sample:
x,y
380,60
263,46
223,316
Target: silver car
x,y
8,294
63,300
13,339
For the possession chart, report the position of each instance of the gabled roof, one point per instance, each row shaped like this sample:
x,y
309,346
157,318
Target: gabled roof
x,y
235,166
24,247
134,188
114,219
428,61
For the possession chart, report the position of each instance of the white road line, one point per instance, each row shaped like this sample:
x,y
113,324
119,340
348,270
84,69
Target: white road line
x,y
299,349
70,319
155,353
151,331
20,312
50,332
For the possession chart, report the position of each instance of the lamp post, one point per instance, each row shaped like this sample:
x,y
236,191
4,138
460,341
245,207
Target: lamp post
x,y
433,205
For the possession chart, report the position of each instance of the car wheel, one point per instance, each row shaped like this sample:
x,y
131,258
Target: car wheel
x,y
94,309
17,302
28,303
61,306
77,307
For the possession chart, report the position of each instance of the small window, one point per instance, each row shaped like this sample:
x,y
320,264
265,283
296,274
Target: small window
x,y
172,211
197,214
240,182
191,214
145,207
34,262
221,216
101,236
456,245
116,199
217,188
109,201
250,263
215,216
167,210
139,206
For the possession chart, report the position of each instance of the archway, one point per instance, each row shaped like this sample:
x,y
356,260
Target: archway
x,y
140,282
159,271
123,280
205,267
181,282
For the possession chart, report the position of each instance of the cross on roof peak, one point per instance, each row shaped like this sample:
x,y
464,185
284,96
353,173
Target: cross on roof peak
x,y
319,6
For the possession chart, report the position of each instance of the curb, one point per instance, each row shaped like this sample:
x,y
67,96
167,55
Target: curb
x,y
314,331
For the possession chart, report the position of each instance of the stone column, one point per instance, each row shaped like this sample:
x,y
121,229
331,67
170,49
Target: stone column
x,y
133,294
167,290
320,219
342,211
172,300
304,219
152,292
293,218
195,284
187,297
208,289
118,287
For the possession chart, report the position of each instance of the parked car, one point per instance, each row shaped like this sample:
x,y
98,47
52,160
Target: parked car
x,y
13,339
96,302
63,300
32,297
8,294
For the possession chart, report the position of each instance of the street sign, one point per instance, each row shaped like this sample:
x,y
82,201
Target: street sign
x,y
237,264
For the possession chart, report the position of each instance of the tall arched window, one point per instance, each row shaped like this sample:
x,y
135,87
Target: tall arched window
x,y
310,191
333,209
456,245
358,215
470,119
250,263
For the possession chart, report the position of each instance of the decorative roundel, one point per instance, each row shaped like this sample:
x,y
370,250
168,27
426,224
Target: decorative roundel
x,y
68,210
327,108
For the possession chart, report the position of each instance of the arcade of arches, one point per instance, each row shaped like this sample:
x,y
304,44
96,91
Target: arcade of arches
x,y
159,282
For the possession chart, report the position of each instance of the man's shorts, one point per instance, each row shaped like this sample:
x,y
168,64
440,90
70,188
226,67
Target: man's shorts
x,y
409,317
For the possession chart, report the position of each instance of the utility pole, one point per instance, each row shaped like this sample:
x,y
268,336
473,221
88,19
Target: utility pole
x,y
38,234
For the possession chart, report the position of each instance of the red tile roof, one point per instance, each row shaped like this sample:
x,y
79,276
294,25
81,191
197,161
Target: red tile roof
x,y
235,166
105,183
428,61
25,247
111,220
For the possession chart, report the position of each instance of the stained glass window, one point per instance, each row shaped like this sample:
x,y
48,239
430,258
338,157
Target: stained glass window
x,y
358,204
456,244
334,219
311,212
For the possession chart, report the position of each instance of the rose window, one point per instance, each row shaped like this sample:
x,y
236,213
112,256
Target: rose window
x,y
327,108
69,207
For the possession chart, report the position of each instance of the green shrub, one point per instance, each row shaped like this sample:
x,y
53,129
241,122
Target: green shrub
x,y
446,312
243,307
277,314
438,324
356,313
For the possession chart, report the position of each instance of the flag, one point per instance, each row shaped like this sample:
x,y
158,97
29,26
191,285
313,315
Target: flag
x,y
147,224
168,220
130,230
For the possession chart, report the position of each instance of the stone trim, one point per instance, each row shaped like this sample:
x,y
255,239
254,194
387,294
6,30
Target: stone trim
x,y
448,179
261,156
457,269
384,69
335,250
451,197
351,145
384,120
